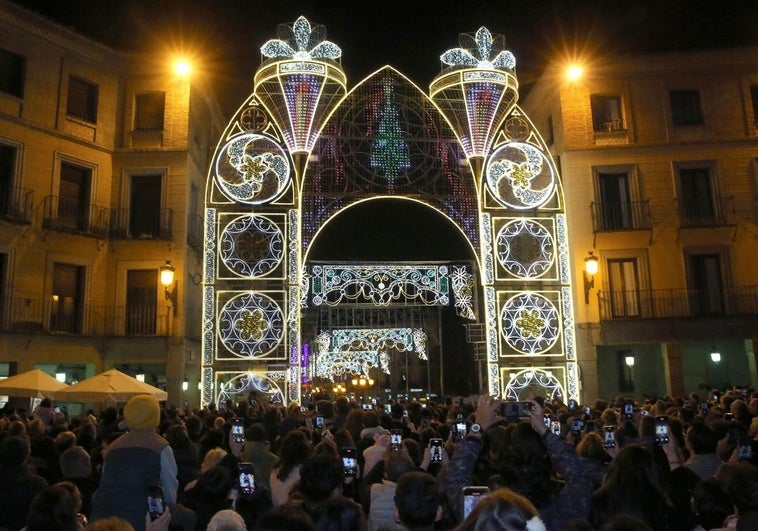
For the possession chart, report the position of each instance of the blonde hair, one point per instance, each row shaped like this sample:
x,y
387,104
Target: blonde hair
x,y
212,458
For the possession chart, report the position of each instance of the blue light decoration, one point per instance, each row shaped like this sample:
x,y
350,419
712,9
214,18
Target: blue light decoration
x,y
389,151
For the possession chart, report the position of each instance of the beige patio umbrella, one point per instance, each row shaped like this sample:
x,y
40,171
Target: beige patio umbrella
x,y
109,386
31,384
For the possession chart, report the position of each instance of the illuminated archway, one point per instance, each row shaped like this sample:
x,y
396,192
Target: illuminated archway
x,y
301,149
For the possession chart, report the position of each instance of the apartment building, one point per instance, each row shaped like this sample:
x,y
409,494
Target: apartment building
x,y
103,161
658,158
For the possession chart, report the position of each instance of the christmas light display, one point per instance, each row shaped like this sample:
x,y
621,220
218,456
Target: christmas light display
x,y
251,246
300,150
243,384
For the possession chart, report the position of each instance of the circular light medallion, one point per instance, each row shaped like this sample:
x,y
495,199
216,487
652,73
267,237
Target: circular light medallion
x,y
250,325
525,248
530,323
251,246
533,382
520,176
252,169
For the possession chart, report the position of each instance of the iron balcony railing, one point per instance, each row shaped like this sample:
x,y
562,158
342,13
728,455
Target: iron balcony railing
x,y
678,303
620,215
16,204
71,215
707,212
68,316
126,224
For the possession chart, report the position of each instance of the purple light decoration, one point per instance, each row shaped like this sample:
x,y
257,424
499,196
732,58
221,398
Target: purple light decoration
x,y
301,94
305,355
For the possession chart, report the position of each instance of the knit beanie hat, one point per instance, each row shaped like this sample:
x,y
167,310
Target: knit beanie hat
x,y
142,413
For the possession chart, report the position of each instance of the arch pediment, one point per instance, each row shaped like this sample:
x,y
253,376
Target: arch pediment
x,y
386,138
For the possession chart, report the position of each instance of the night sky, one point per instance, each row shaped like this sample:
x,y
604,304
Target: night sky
x,y
408,34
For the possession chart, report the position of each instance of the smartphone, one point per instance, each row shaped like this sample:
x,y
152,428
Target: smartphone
x,y
245,478
704,406
396,440
661,430
609,436
388,409
745,453
459,430
577,425
373,401
302,409
587,410
366,407
405,413
515,410
349,464
319,422
472,496
555,427
572,405
155,503
629,410
435,450
238,430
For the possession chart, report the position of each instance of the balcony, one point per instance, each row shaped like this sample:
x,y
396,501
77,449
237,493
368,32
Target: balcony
x,y
71,215
707,212
127,224
69,317
16,204
678,303
195,232
610,216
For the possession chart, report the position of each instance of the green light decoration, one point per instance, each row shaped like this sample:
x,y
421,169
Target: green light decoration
x,y
389,151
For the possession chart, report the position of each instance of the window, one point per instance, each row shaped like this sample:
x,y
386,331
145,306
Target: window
x,y
82,100
73,197
12,68
697,200
7,171
624,287
145,206
754,101
141,301
66,308
149,109
615,210
606,113
685,107
706,291
550,131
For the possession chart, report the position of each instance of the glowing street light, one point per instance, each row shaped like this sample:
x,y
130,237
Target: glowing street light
x,y
182,67
574,72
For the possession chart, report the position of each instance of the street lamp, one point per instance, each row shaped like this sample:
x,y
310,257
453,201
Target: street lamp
x,y
574,72
182,67
167,279
590,270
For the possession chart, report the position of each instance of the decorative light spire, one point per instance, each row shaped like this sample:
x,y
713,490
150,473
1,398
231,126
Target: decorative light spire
x,y
483,39
307,45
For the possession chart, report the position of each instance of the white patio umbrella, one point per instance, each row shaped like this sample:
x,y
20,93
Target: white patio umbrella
x,y
35,383
109,386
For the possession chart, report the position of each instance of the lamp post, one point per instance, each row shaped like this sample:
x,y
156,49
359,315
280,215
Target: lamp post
x,y
167,279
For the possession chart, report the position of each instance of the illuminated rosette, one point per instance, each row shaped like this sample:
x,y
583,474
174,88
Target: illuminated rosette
x,y
530,323
525,249
250,325
251,246
252,169
520,176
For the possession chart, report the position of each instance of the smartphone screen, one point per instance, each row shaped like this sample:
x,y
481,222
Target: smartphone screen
x,y
459,430
609,436
155,504
388,409
435,450
547,419
628,411
238,430
405,413
366,407
661,430
319,422
472,496
396,440
246,478
349,464
587,410
555,427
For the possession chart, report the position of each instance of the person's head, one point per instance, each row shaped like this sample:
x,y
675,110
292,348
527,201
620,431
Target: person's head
x,y
414,450
46,402
73,491
52,508
212,458
256,433
525,467
743,488
142,412
591,446
177,437
339,514
226,520
623,522
114,523
213,485
289,517
321,477
417,500
502,510
14,451
75,463
711,503
397,464
294,449
701,439
65,440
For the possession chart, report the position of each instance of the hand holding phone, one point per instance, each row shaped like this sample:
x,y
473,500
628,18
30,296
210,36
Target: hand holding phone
x,y
155,504
238,430
471,496
245,478
435,450
661,430
396,440
609,437
349,463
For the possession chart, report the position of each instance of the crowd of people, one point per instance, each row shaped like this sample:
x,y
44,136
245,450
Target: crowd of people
x,y
668,464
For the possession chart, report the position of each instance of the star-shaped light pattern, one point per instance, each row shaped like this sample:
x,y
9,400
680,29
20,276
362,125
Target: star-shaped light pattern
x,y
483,39
303,45
519,174
530,323
251,325
525,248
